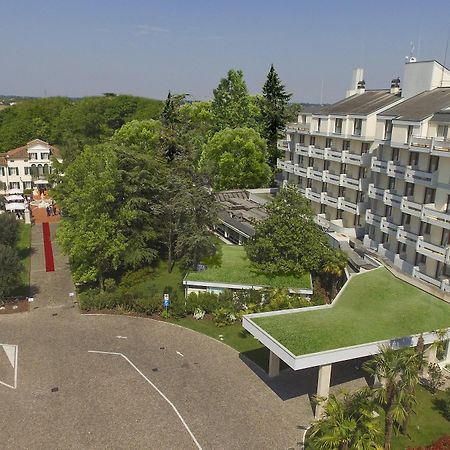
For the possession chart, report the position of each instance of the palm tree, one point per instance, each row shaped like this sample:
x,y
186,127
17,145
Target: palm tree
x,y
347,424
399,370
334,266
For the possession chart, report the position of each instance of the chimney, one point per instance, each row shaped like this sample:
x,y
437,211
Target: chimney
x,y
361,88
395,86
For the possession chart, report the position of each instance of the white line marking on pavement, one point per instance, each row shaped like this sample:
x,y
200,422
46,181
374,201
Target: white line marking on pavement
x,y
181,354
121,337
156,389
12,352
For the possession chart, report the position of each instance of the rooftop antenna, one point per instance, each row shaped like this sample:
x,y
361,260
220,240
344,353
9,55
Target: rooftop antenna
x,y
321,93
445,56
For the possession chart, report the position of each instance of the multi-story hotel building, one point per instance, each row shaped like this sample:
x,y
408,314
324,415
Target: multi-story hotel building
x,y
376,167
28,167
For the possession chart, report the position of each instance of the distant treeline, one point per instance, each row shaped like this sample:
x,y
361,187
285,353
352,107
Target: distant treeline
x,y
71,123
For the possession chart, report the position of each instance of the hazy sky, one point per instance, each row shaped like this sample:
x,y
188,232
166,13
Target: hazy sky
x,y
146,47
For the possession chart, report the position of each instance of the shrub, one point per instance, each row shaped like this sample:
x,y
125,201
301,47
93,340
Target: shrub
x,y
223,316
441,444
130,279
443,404
199,314
435,377
320,295
92,299
207,301
149,305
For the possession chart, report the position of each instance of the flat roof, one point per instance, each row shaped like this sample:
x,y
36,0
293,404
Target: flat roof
x,y
361,104
235,269
420,106
374,306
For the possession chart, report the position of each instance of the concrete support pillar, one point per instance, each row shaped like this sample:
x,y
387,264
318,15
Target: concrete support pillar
x,y
27,216
274,365
323,387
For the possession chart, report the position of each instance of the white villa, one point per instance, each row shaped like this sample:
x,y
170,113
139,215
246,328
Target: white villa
x,y
28,167
376,167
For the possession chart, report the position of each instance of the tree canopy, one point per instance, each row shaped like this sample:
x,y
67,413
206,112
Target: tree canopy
x,y
288,242
236,158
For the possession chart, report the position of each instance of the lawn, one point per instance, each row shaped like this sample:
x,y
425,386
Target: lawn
x,y
24,251
426,426
235,268
374,306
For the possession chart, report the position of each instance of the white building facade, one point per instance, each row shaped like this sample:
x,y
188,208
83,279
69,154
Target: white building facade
x,y
376,166
28,167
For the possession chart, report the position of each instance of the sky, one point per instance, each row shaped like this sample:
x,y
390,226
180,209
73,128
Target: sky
x,y
147,47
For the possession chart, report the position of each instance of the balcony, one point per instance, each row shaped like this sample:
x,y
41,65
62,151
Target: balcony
x,y
351,183
313,196
287,166
330,201
441,145
348,205
437,145
317,152
431,215
406,237
394,169
303,149
378,166
387,226
283,144
350,158
436,252
297,127
392,199
315,174
418,176
419,143
375,193
372,219
333,155
331,178
300,171
410,207
421,276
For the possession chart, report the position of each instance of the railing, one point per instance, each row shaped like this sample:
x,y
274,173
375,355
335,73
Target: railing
x,y
375,193
288,166
352,183
389,198
311,195
418,176
426,278
430,145
406,237
317,152
350,158
349,206
410,207
371,218
420,142
300,171
330,201
333,155
295,127
331,178
395,170
430,215
378,166
315,174
441,145
283,144
303,149
388,227
434,251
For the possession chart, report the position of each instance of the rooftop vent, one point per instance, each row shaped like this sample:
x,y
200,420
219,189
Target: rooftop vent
x,y
395,86
361,87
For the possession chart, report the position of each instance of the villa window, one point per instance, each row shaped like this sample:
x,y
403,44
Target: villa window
x,y
323,209
302,139
409,189
26,170
319,122
365,147
339,214
442,131
391,184
312,140
387,211
33,155
395,154
413,158
434,163
13,170
406,219
345,145
357,127
338,126
430,195
409,133
2,171
328,142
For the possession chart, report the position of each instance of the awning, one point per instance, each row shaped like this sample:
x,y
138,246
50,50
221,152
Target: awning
x,y
15,207
13,191
41,182
14,198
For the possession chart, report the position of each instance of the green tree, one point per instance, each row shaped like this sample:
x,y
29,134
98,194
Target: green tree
x,y
9,229
274,112
334,268
398,370
348,423
236,158
10,268
288,242
232,106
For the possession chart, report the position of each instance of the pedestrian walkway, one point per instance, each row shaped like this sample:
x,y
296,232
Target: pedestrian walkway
x,y
48,288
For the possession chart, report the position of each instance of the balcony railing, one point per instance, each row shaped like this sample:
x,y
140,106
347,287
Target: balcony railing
x,y
331,178
315,174
375,193
296,127
406,237
283,144
350,158
410,207
287,166
431,215
300,171
303,149
437,252
395,170
317,152
372,219
311,195
330,201
333,155
436,145
347,205
387,226
351,183
392,199
378,166
418,176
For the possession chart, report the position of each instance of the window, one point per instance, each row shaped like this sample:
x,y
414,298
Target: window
x,y
33,155
310,162
365,147
430,195
357,127
345,145
357,221
326,165
13,170
409,189
387,130
420,259
338,126
425,228
442,131
309,183
391,183
401,248
387,211
328,142
413,158
384,238
302,139
409,133
339,214
312,140
445,240
324,187
395,154
434,163
300,160
341,191
2,171
44,155
26,170
323,209
362,172
406,219
14,185
359,197
319,122
27,184
343,168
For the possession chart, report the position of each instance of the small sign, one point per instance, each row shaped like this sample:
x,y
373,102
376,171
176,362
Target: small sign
x,y
166,301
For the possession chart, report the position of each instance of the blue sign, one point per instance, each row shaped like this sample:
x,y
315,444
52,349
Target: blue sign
x,y
166,301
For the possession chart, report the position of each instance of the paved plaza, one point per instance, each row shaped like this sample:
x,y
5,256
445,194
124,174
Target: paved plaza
x,y
92,381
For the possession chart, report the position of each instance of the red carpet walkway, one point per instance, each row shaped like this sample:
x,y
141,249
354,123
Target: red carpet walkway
x,y
48,251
